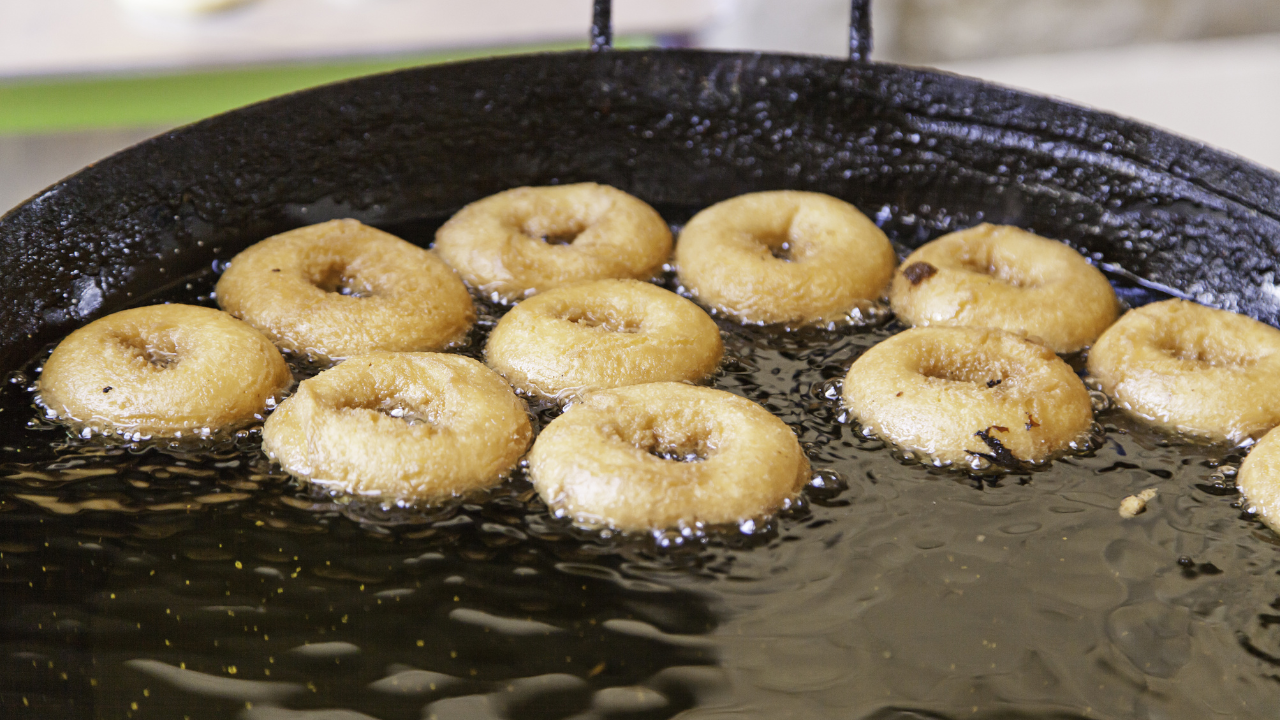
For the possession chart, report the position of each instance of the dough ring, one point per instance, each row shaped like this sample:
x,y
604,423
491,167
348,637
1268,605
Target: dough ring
x,y
401,426
342,288
959,394
656,456
1192,369
1259,480
603,334
163,370
533,239
1002,277
784,257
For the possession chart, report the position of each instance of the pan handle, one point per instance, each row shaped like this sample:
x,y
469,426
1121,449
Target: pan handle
x,y
859,28
860,31
602,25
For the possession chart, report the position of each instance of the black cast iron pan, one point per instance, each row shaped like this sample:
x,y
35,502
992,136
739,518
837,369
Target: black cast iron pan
x,y
672,126
923,152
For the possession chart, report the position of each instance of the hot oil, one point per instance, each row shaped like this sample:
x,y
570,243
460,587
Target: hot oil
x,y
194,579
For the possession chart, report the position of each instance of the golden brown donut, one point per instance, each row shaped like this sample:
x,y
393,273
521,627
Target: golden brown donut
x,y
1003,277
1192,369
163,370
400,426
603,334
532,239
784,257
958,394
665,454
341,288
1259,479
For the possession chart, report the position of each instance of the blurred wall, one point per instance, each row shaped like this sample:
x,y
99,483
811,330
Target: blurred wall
x,y
939,30
932,31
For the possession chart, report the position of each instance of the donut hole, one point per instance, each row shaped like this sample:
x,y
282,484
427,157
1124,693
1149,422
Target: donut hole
x,y
683,445
154,351
780,242
411,411
791,240
607,321
338,278
553,232
675,454
779,248
1000,269
1203,353
964,370
408,413
676,449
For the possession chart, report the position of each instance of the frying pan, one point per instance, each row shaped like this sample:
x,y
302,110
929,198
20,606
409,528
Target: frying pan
x,y
922,152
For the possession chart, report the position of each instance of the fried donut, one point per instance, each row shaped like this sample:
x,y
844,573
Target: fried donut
x,y
1192,369
658,455
959,394
1002,277
532,239
163,370
403,426
1259,479
603,334
342,288
784,257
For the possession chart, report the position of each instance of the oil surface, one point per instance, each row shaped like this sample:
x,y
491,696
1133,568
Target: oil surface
x,y
179,580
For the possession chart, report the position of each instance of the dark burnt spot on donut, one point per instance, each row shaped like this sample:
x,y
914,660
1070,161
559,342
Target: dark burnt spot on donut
x,y
106,389
999,454
993,383
918,272
1031,422
275,269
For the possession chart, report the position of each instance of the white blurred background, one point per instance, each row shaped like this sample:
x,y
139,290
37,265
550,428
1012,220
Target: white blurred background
x,y
80,79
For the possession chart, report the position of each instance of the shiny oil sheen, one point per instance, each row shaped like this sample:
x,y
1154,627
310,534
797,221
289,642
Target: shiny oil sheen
x,y
195,580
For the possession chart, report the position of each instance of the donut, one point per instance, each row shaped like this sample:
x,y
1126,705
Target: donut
x,y
532,239
603,334
342,288
415,427
960,394
163,370
1003,277
655,456
784,257
1259,479
1192,369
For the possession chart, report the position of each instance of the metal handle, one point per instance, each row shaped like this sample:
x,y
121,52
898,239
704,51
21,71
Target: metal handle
x,y
859,28
860,31
602,25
